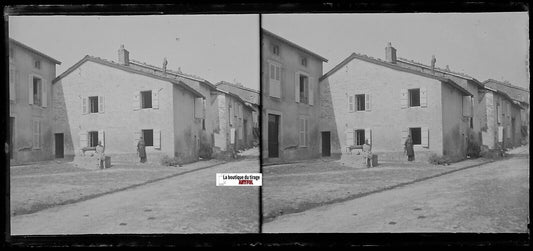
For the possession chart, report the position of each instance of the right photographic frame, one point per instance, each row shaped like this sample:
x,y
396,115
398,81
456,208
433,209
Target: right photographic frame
x,y
395,123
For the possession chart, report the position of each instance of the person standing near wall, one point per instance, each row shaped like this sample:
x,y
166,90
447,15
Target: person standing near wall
x,y
367,154
100,155
141,149
409,148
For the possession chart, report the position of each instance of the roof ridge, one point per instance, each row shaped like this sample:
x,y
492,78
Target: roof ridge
x,y
235,85
168,70
438,68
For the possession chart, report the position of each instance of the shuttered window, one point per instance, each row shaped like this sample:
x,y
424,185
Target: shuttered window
x,y
359,137
93,138
350,139
274,80
12,82
303,132
36,134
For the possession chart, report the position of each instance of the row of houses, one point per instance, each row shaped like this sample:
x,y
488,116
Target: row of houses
x,y
117,102
309,114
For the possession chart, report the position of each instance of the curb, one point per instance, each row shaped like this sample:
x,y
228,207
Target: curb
x,y
92,196
359,195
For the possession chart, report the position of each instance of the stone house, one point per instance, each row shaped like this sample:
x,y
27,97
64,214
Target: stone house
x,y
365,98
30,103
250,96
502,125
234,126
118,102
519,96
290,109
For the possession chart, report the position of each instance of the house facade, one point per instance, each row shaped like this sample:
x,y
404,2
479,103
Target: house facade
x,y
290,109
31,73
250,96
502,125
365,98
234,129
116,103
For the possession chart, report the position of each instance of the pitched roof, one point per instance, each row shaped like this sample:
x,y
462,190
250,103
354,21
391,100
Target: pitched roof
x,y
440,70
268,33
247,94
394,67
505,95
517,93
237,97
128,69
51,59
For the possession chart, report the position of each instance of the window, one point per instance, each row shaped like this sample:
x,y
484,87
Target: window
x,y
36,134
303,61
37,63
416,135
146,99
360,102
472,122
414,97
359,137
275,49
148,136
303,132
275,80
304,89
37,91
203,124
93,104
93,138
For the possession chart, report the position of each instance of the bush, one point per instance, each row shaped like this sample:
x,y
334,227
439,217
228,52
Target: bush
x,y
439,160
168,161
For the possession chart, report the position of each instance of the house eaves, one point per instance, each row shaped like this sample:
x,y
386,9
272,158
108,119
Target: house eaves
x,y
51,59
127,69
268,33
394,67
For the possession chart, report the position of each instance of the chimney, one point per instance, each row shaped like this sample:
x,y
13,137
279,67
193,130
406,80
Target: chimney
x,y
123,56
390,53
165,62
433,61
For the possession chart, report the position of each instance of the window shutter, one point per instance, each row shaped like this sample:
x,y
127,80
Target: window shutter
x,y
198,108
297,88
500,133
12,82
301,141
155,99
136,137
30,88
306,122
425,137
467,106
367,102
311,88
101,105
83,139
232,135
136,102
101,137
231,112
499,113
350,140
157,139
404,134
423,97
84,108
351,103
368,135
44,93
204,107
403,98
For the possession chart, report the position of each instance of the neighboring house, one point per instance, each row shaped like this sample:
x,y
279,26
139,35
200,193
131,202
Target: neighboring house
x,y
118,102
507,107
365,98
234,129
289,93
469,83
30,78
250,96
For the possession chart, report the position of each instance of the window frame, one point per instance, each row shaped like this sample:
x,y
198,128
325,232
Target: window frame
x,y
93,100
149,132
37,64
303,131
410,98
419,129
148,95
357,139
275,49
303,61
277,74
357,100
39,95
91,135
304,94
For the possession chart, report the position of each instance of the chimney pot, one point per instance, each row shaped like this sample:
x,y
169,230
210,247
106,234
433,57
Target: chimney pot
x,y
390,53
123,56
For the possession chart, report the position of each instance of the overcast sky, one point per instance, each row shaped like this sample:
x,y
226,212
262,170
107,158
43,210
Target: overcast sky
x,y
214,47
482,45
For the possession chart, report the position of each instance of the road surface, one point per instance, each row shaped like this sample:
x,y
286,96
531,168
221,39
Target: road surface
x,y
492,198
189,203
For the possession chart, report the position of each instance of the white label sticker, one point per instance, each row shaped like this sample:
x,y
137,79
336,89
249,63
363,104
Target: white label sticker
x,y
239,179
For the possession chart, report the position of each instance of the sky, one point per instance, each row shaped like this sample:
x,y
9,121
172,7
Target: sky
x,y
213,47
481,45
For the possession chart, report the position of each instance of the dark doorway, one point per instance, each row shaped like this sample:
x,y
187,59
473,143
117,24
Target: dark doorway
x,y
60,152
273,136
11,136
245,132
326,144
